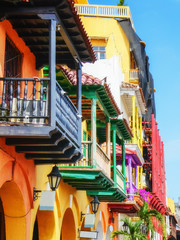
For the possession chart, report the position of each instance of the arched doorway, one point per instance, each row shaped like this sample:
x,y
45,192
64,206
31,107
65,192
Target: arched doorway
x,y
68,229
2,223
13,209
99,229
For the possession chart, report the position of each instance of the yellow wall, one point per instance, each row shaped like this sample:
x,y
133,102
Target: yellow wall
x,y
171,205
107,31
50,223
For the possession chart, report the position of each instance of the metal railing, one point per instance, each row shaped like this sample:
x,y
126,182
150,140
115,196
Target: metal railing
x,y
104,11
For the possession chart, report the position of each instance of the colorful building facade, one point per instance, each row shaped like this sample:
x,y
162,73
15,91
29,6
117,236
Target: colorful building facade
x,y
93,124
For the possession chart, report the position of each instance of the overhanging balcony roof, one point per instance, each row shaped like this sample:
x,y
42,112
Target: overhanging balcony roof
x,y
129,89
95,182
86,179
133,151
89,84
31,21
127,206
123,128
111,195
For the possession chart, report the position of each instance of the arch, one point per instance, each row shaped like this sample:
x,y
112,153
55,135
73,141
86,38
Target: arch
x,y
68,229
14,211
99,229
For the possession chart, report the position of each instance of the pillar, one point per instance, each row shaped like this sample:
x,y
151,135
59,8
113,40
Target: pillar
x,y
108,139
130,178
93,131
79,100
133,118
124,164
52,70
114,154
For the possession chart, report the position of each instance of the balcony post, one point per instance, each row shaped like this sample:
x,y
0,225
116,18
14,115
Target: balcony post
x,y
133,117
52,71
78,101
130,178
114,154
108,139
137,127
136,176
124,164
93,131
140,123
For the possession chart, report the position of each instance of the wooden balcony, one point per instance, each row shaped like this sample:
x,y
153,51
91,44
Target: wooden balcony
x,y
104,11
27,119
102,162
93,175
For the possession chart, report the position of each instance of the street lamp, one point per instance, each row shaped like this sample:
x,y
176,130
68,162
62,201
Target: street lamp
x,y
143,228
125,227
54,178
95,204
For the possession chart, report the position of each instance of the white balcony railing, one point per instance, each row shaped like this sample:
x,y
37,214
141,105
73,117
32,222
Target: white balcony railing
x,y
134,74
104,11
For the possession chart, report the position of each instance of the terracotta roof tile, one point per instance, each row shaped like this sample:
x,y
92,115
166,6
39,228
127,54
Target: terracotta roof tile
x,y
86,79
134,86
128,85
89,80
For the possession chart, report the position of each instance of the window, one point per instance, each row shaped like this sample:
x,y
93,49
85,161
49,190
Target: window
x,y
12,68
100,52
13,60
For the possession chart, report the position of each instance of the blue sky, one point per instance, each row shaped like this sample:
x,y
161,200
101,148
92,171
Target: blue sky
x,y
157,22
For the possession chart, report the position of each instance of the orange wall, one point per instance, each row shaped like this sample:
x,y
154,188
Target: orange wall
x,y
14,167
28,65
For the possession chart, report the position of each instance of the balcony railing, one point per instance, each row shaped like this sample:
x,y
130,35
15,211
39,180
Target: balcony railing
x,y
102,160
26,102
120,180
134,76
104,11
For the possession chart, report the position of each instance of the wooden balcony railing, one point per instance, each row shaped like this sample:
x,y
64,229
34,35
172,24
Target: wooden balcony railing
x,y
102,160
104,11
120,180
27,102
